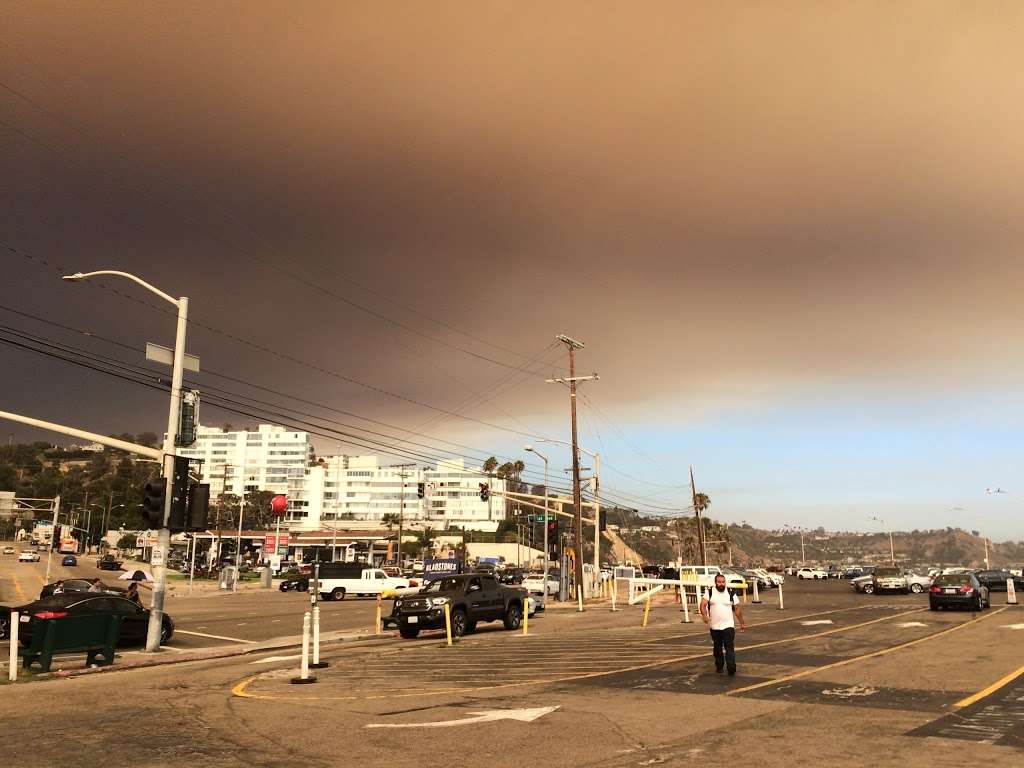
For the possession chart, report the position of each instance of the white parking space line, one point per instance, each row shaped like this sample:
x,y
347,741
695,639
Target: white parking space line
x,y
215,637
271,659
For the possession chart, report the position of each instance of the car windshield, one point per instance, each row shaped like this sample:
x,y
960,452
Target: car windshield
x,y
952,580
443,585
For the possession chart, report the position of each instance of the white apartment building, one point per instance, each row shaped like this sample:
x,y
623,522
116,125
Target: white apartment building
x,y
357,488
269,459
349,492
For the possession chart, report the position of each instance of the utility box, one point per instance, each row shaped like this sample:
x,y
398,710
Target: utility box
x,y
266,577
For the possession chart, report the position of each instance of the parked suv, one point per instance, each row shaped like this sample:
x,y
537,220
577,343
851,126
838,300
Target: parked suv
x,y
471,598
888,579
811,573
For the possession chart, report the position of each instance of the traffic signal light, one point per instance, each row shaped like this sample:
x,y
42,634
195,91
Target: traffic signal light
x,y
421,490
602,518
154,497
188,418
485,491
153,494
198,506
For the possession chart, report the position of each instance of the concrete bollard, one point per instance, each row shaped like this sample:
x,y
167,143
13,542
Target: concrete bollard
x,y
448,622
304,676
12,671
316,664
376,626
615,594
1011,592
782,605
757,596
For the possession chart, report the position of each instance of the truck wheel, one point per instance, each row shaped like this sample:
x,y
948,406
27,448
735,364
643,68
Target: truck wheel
x,y
513,616
338,594
916,589
459,622
409,633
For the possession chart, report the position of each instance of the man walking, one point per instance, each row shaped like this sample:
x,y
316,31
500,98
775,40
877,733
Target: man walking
x,y
718,608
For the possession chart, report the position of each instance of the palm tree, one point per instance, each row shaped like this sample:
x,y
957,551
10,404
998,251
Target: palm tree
x,y
425,539
390,520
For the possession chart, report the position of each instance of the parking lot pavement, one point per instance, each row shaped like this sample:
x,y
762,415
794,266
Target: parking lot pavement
x,y
836,678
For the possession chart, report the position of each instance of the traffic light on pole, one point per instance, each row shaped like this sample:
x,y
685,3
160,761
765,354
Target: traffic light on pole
x,y
421,489
198,506
485,491
153,494
179,495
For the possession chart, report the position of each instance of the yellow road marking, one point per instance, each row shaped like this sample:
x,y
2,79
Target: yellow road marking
x,y
871,655
20,591
240,688
991,689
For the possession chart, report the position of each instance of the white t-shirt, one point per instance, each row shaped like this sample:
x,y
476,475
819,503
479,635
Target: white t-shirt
x,y
720,608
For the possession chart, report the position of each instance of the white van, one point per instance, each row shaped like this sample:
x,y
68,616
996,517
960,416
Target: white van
x,y
340,579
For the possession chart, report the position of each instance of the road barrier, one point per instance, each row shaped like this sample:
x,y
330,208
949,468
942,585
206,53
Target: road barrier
x,y
316,663
304,676
1011,592
12,671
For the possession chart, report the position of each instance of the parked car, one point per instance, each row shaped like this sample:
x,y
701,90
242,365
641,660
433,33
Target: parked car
x,y
853,572
917,582
534,584
811,573
958,590
134,617
80,585
704,577
8,550
863,584
773,579
752,577
511,576
69,561
889,579
28,556
995,580
294,583
834,572
471,599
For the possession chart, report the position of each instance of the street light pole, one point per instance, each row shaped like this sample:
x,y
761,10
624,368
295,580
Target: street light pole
x,y
163,539
547,517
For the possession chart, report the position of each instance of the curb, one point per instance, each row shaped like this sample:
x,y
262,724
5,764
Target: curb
x,y
223,653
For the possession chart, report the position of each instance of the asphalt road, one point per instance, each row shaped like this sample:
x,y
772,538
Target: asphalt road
x,y
836,678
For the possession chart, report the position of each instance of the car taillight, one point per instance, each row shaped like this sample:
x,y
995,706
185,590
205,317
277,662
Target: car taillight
x,y
935,589
51,614
413,583
966,590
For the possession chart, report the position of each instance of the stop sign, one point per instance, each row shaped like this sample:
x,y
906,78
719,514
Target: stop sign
x,y
279,505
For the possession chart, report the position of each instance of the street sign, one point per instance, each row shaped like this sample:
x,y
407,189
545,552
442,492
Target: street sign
x,y
157,354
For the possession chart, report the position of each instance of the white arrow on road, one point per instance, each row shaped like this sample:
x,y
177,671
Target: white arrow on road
x,y
816,621
1012,626
524,715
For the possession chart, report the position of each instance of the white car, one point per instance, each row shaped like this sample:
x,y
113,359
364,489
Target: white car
x,y
534,584
28,556
772,579
811,573
8,550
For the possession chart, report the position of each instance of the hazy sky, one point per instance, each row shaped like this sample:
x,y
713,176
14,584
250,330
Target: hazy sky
x,y
789,233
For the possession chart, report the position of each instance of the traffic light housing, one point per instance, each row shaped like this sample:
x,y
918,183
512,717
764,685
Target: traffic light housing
x,y
154,497
602,518
421,490
153,494
198,507
188,418
485,491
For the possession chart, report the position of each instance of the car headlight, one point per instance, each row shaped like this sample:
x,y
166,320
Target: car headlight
x,y
398,603
437,601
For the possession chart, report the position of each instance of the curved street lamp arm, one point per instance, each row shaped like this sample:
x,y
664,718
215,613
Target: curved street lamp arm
x,y
152,289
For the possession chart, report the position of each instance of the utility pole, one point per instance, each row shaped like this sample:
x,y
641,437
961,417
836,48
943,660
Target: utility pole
x,y
577,501
401,508
700,522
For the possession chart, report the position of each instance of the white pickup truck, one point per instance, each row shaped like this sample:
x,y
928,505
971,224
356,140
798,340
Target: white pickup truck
x,y
703,576
340,579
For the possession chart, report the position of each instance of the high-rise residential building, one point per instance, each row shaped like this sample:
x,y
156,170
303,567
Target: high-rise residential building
x,y
343,491
270,458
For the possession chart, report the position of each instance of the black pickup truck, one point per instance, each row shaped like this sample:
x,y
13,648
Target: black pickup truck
x,y
471,598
